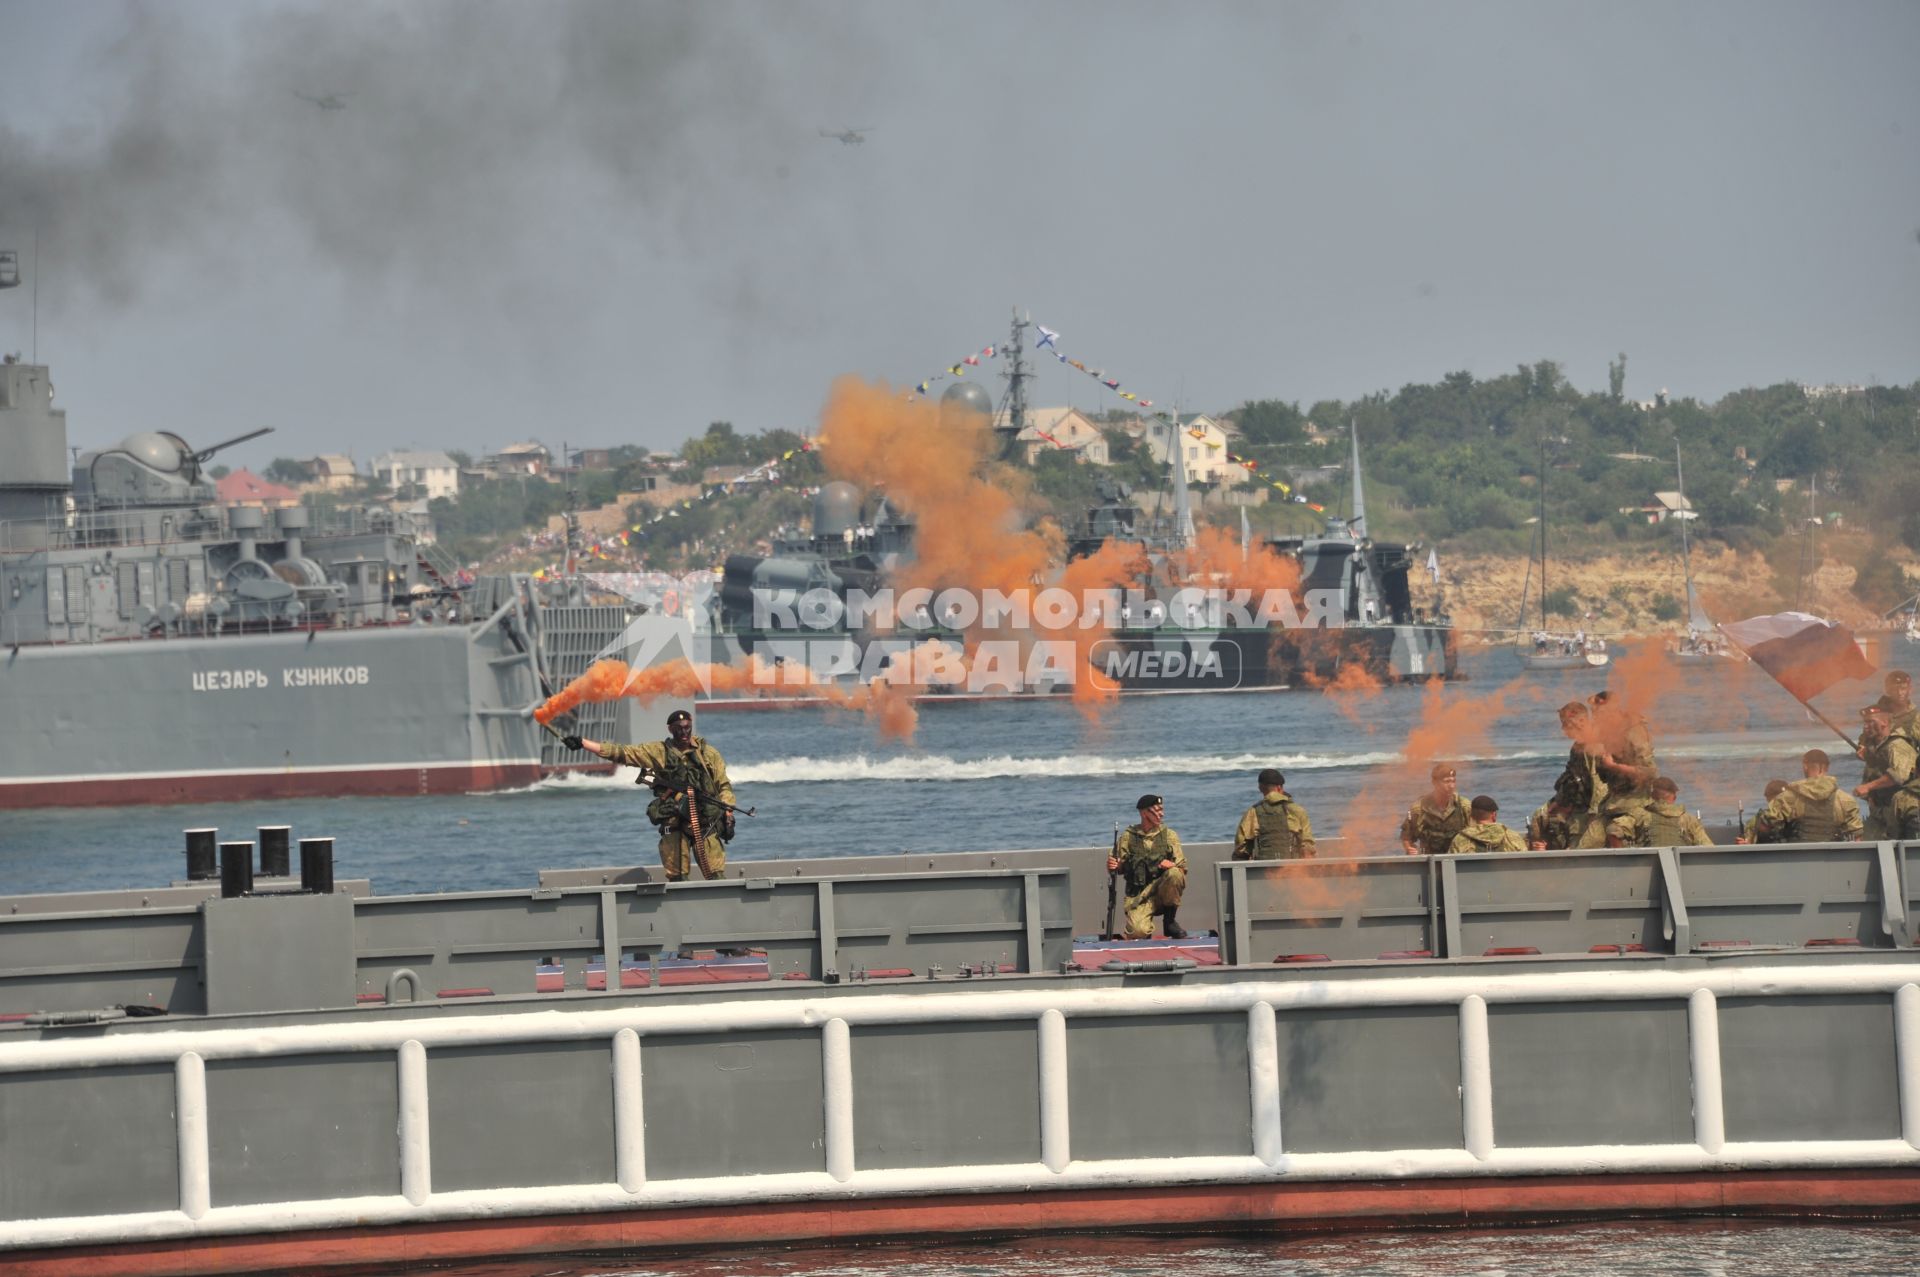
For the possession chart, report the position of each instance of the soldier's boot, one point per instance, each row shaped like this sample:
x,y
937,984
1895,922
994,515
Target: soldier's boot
x,y
1172,927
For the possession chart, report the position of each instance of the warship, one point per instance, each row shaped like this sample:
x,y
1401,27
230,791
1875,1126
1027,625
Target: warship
x,y
252,1071
1367,619
155,646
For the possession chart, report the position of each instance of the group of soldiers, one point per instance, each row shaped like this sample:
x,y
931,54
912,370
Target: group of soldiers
x,y
1609,794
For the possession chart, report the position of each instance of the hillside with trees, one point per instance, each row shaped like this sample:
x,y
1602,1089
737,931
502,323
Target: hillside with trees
x,y
1455,463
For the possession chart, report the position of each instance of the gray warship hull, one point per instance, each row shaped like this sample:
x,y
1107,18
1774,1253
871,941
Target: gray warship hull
x,y
400,710
326,1079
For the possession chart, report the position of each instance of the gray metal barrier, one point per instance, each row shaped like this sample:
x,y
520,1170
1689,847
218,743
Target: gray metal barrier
x,y
1660,900
297,952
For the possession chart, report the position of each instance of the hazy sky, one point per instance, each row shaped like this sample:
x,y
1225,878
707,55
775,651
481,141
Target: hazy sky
x,y
607,223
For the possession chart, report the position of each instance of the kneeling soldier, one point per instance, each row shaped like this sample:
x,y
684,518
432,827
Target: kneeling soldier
x,y
1149,857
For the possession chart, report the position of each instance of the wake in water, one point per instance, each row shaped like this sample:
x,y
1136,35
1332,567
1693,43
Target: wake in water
x,y
945,768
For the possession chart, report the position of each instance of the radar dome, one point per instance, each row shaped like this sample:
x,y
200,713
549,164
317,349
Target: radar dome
x,y
836,507
966,396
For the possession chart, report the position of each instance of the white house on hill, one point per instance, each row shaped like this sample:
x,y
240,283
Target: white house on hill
x,y
1203,442
1063,430
434,473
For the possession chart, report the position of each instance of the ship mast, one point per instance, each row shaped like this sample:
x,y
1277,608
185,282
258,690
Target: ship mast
x,y
1177,472
1017,375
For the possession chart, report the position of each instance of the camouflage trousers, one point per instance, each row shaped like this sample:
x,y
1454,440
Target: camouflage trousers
x,y
1897,819
676,854
1158,896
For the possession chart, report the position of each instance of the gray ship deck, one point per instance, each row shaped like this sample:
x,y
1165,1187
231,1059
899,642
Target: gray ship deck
x,y
343,1078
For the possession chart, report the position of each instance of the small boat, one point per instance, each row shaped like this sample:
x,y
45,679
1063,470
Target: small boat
x,y
1545,648
1703,642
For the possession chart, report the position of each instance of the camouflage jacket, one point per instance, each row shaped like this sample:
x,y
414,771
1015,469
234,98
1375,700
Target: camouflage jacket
x,y
1432,829
1893,756
1642,827
1141,852
1491,836
1560,830
1812,810
1247,834
701,765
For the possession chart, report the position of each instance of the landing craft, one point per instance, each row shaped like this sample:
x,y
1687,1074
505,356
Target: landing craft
x,y
849,137
325,101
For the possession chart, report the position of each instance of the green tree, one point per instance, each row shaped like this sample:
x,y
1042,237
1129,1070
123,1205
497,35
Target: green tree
x,y
286,470
719,446
1267,422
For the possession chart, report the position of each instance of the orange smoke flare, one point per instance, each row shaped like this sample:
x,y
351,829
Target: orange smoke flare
x,y
892,713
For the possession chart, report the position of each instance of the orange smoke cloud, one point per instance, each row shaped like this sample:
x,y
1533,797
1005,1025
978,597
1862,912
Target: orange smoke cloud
x,y
1114,566
1215,561
1451,726
1351,690
1640,679
926,458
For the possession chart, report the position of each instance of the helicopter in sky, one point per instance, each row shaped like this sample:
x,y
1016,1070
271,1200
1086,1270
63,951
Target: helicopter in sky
x,y
325,101
849,137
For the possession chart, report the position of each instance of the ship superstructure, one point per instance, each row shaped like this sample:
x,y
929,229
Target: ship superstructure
x,y
156,646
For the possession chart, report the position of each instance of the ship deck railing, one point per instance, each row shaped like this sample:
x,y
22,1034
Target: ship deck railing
x,y
114,527
1259,1077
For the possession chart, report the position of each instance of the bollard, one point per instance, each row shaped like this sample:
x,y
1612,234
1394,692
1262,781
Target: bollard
x,y
202,858
236,869
273,850
316,865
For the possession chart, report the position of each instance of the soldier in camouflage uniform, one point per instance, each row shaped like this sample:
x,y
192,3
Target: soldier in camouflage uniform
x,y
1565,822
1149,856
1624,754
1485,832
1435,817
690,829
1750,832
1663,822
1276,827
1580,786
1811,809
1888,782
1903,717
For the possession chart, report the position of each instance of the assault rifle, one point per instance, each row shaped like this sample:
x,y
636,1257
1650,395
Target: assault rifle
x,y
1113,888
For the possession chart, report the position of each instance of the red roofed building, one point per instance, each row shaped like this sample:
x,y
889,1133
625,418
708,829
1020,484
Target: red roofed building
x,y
244,487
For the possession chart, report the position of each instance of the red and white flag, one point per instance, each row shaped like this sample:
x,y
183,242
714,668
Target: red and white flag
x,y
1804,654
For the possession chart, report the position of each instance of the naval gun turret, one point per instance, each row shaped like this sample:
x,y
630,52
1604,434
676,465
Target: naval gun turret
x,y
150,468
132,541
